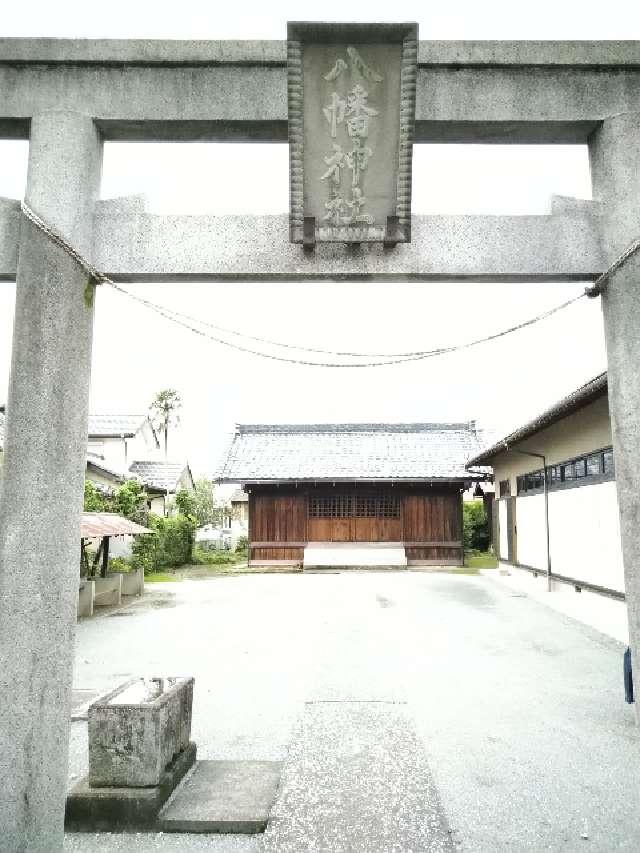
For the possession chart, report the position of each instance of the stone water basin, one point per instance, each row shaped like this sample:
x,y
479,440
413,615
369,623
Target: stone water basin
x,y
137,730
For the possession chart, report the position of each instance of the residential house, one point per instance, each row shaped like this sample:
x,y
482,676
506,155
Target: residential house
x,y
118,440
572,440
384,493
163,480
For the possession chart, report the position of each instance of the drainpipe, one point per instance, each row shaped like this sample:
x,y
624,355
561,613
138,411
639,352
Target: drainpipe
x,y
546,505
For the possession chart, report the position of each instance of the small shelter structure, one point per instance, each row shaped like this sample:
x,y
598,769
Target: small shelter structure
x,y
103,526
393,485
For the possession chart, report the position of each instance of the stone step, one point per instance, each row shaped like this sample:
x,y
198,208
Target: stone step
x,y
223,797
357,778
356,555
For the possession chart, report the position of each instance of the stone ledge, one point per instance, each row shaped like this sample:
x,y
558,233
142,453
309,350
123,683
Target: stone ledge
x,y
117,809
233,797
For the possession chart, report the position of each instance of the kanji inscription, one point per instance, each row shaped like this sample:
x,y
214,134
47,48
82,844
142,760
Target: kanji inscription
x,y
351,115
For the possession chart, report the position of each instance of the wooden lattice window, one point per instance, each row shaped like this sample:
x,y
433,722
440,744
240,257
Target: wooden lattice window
x,y
354,506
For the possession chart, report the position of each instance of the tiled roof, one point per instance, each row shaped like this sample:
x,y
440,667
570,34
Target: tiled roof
x,y
579,398
115,425
239,496
423,451
98,464
159,475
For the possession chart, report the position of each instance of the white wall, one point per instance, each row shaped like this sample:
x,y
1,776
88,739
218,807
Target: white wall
x,y
584,534
504,530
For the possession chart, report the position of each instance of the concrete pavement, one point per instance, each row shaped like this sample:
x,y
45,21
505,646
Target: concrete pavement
x,y
518,708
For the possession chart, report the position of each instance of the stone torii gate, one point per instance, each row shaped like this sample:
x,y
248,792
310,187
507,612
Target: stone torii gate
x,y
66,97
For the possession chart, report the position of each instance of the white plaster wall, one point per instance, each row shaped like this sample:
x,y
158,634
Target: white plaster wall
x,y
531,535
584,534
157,505
504,530
113,453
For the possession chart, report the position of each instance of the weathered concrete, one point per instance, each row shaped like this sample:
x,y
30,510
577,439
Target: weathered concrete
x,y
615,164
131,741
131,244
112,809
86,598
467,91
520,710
357,778
224,797
45,459
108,591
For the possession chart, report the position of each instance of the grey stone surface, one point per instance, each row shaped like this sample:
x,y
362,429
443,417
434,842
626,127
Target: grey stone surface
x,y
44,467
615,164
131,744
520,710
357,778
235,248
114,809
136,245
148,842
507,92
258,52
223,797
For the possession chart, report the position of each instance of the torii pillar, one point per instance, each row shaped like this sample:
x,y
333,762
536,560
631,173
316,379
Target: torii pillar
x,y
615,166
41,497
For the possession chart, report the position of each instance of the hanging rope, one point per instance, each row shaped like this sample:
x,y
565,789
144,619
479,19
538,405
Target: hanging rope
x,y
383,359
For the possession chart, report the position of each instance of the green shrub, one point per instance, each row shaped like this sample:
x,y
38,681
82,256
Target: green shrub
x,y
242,544
171,543
119,564
475,526
201,557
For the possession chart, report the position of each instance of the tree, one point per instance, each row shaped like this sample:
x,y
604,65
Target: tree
x,y
164,412
205,502
187,504
130,500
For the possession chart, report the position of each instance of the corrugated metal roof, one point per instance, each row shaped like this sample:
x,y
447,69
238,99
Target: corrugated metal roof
x,y
108,524
579,398
348,452
158,474
101,426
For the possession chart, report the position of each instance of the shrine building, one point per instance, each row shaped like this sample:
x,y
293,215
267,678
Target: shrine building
x,y
329,495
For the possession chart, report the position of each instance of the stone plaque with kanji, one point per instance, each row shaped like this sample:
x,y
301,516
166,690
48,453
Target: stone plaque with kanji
x,y
351,119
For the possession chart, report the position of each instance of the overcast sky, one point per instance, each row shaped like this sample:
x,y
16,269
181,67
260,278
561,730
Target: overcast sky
x,y
500,385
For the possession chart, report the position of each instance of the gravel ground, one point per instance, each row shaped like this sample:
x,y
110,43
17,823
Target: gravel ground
x,y
519,709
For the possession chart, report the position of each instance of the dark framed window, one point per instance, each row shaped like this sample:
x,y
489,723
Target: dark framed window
x,y
608,462
505,488
600,464
594,464
554,473
354,506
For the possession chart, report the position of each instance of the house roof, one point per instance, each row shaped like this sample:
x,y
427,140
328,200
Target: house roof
x,y
578,399
104,426
98,465
108,524
239,496
348,452
158,474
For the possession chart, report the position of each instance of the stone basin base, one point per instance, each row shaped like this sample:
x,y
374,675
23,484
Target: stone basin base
x,y
116,809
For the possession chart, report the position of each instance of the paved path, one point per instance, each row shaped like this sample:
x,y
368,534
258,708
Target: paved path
x,y
519,709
